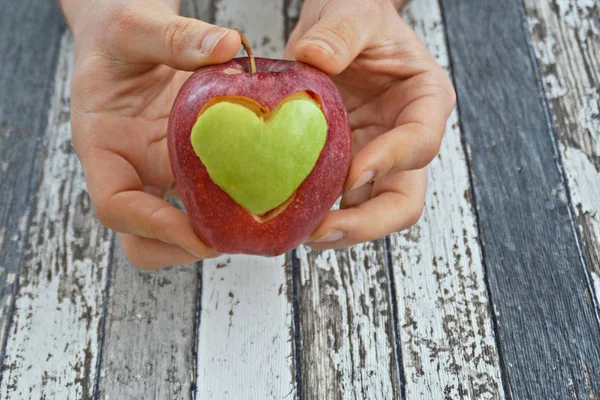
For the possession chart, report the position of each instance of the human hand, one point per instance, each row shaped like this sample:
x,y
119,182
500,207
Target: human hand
x,y
398,99
128,69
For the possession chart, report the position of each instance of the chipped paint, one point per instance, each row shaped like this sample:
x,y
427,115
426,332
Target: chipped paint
x,y
346,324
572,63
446,331
61,286
244,345
148,350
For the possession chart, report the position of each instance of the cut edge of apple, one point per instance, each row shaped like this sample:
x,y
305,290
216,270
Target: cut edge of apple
x,y
258,108
264,112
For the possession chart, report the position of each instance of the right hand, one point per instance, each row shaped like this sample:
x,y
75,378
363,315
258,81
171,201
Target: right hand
x,y
130,58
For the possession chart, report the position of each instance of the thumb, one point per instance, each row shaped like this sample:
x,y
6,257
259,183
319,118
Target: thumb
x,y
333,42
151,35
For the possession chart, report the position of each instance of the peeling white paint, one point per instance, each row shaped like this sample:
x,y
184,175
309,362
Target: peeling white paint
x,y
571,76
448,344
52,349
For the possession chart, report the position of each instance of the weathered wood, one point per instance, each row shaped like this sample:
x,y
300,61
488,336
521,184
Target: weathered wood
x,y
150,333
200,9
244,340
547,328
30,33
445,325
245,335
151,321
291,9
346,339
346,333
56,329
566,37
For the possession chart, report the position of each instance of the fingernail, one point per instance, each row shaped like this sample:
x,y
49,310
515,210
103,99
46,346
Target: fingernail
x,y
364,179
325,46
332,236
198,256
211,40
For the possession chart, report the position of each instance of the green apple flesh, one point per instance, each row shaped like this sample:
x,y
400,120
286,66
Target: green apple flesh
x,y
260,159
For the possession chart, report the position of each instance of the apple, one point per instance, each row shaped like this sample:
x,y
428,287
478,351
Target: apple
x,y
260,149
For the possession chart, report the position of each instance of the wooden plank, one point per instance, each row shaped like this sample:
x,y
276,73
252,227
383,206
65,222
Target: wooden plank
x,y
200,9
151,320
346,332
244,341
344,315
150,333
245,335
291,9
57,325
566,37
30,33
547,328
446,328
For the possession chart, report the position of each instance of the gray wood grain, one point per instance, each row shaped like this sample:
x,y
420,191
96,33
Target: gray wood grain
x,y
445,323
56,329
291,12
30,32
547,329
200,9
150,333
150,339
345,343
566,37
345,324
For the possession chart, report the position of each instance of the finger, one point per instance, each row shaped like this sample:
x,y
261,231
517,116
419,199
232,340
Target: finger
x,y
121,204
341,33
353,198
290,52
155,34
417,137
397,204
150,254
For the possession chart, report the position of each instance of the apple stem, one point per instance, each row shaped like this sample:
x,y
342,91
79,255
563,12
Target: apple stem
x,y
248,49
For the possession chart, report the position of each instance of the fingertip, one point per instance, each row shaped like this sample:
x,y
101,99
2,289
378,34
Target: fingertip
x,y
226,48
319,54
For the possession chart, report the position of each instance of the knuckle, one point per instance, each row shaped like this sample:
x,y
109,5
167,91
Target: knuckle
x,y
391,158
103,213
439,82
448,89
432,144
134,255
340,30
415,215
177,33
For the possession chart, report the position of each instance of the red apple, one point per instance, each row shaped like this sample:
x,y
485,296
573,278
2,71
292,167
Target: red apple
x,y
274,227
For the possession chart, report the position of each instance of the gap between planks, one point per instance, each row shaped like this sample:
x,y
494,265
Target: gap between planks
x,y
566,38
446,327
53,345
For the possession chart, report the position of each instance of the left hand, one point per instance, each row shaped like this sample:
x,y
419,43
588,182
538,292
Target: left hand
x,y
399,100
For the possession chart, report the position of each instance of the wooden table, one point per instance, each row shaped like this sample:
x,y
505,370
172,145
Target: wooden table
x,y
493,295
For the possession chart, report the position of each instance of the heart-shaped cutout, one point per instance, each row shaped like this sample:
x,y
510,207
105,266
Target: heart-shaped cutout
x,y
260,159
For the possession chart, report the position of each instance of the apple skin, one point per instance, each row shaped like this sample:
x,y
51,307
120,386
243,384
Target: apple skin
x,y
217,219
